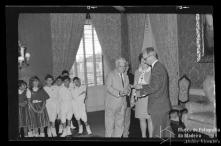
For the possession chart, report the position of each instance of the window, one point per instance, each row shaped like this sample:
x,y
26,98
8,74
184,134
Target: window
x,y
89,62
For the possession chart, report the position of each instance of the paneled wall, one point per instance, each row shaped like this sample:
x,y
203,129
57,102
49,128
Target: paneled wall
x,y
188,52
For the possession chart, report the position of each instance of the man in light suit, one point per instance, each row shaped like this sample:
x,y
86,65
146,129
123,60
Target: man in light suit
x,y
115,103
159,103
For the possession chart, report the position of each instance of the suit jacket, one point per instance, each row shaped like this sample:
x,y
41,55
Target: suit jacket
x,y
114,86
158,90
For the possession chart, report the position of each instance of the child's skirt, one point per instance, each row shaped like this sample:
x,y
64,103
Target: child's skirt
x,y
24,117
39,120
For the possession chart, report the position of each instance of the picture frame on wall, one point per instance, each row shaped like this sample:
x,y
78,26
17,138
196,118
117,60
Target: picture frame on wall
x,y
205,38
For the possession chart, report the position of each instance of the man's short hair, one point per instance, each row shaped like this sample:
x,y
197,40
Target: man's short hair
x,y
149,50
119,60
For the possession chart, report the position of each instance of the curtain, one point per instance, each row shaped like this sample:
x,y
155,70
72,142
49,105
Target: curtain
x,y
136,25
164,29
66,31
148,36
125,47
108,28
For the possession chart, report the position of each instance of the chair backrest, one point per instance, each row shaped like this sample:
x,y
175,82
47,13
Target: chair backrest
x,y
209,88
184,86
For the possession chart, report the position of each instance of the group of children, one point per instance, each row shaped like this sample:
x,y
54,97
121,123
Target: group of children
x,y
40,106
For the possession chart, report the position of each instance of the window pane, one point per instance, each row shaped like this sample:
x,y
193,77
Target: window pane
x,y
80,58
99,67
80,70
88,48
98,58
90,72
89,58
88,44
100,80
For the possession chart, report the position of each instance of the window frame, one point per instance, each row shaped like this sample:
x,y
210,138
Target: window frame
x,y
94,57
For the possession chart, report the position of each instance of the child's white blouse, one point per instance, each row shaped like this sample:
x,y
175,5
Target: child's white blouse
x,y
79,93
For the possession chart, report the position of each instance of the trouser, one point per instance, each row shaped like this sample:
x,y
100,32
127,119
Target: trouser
x,y
52,109
114,121
161,125
66,111
127,122
79,110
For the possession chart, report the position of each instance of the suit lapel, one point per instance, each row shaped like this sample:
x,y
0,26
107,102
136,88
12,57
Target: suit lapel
x,y
153,69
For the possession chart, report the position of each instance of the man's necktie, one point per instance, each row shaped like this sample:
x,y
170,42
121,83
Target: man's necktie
x,y
121,75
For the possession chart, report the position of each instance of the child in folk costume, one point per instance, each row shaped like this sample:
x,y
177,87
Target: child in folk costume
x,y
66,106
38,111
58,83
66,73
51,104
24,117
78,102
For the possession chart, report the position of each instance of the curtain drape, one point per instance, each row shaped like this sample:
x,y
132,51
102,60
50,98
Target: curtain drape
x,y
148,40
136,26
164,29
66,33
108,27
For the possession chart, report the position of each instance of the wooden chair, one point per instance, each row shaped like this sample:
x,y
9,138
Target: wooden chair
x,y
184,86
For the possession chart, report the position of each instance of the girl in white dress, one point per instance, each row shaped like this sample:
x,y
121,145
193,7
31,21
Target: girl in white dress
x,y
51,104
78,102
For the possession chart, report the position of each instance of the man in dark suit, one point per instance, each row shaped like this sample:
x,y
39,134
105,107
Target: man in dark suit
x,y
157,91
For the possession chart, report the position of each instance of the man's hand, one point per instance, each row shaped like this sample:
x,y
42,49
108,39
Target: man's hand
x,y
137,93
127,91
132,102
138,86
121,93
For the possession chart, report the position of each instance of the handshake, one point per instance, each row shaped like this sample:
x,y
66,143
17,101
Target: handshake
x,y
125,92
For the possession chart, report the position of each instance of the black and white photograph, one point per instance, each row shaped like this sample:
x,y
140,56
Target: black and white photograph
x,y
113,73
